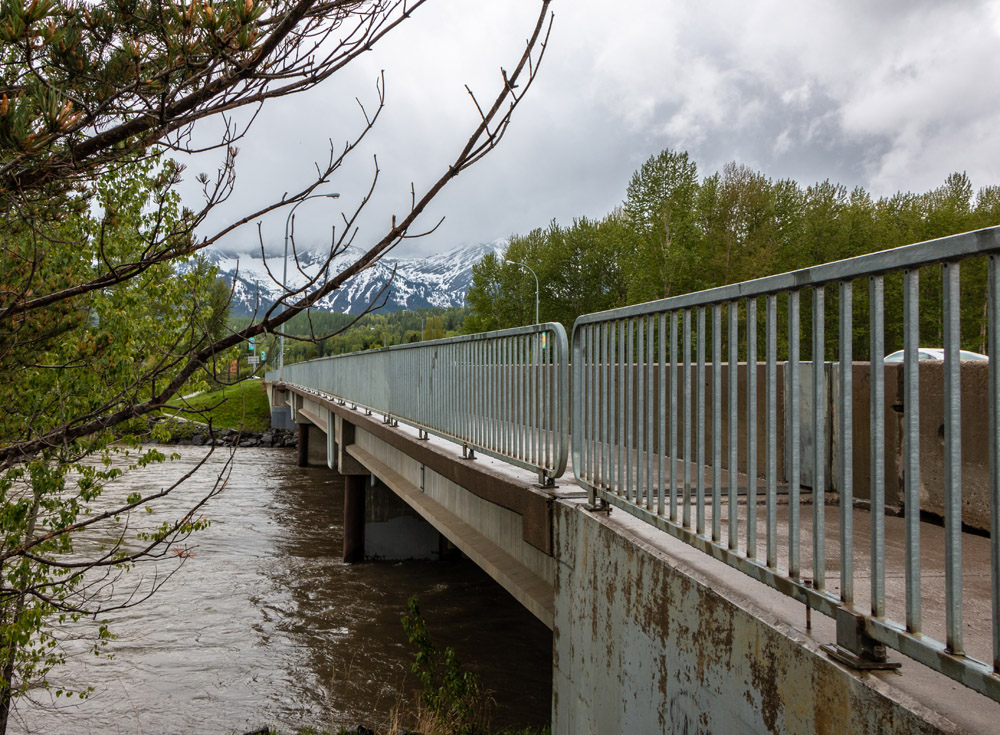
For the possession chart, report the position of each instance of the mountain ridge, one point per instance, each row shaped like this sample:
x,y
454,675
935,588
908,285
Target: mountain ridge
x,y
438,280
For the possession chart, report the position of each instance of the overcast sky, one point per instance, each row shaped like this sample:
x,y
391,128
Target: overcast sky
x,y
889,95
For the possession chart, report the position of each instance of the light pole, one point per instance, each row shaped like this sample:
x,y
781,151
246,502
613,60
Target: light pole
x,y
284,272
512,262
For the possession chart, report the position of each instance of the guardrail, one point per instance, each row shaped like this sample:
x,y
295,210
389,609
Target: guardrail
x,y
641,413
502,393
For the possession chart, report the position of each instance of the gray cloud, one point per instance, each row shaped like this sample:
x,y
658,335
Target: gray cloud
x,y
889,96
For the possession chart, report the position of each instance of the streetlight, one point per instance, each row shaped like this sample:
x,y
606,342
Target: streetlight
x,y
512,262
284,272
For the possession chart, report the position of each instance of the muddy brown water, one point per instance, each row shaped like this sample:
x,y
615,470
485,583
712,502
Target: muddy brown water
x,y
264,625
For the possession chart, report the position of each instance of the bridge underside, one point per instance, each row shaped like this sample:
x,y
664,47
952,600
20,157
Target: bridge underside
x,y
496,515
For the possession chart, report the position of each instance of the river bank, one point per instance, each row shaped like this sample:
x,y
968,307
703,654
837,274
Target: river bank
x,y
185,433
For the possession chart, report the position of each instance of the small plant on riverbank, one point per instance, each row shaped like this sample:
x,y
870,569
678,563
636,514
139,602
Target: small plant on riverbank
x,y
452,702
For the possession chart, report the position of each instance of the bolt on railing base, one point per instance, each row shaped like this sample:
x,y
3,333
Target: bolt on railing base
x,y
598,504
855,648
468,452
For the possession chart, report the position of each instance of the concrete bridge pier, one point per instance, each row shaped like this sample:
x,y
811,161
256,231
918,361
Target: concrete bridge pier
x,y
378,524
354,518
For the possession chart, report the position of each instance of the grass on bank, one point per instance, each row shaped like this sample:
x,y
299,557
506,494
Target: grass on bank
x,y
242,407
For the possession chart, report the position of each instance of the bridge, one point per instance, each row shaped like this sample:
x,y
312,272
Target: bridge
x,y
746,529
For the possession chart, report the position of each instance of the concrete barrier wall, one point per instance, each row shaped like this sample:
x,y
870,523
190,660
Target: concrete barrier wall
x,y
975,441
975,448
642,645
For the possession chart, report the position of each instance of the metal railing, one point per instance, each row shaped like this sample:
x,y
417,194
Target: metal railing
x,y
502,393
647,438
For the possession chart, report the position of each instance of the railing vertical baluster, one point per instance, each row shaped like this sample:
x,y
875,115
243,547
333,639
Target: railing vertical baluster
x,y
686,367
647,444
716,421
537,398
640,406
673,416
661,424
615,418
700,426
444,375
794,413
585,355
952,459
876,488
528,397
495,390
819,438
752,428
456,391
589,409
551,384
522,395
515,396
733,373
507,396
846,445
993,349
524,373
469,408
629,406
440,388
911,444
605,390
771,429
482,391
472,419
512,395
622,415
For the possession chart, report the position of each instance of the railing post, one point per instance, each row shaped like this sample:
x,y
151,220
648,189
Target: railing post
x,y
854,647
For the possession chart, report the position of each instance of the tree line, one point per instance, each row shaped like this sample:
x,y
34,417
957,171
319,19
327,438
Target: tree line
x,y
322,333
676,233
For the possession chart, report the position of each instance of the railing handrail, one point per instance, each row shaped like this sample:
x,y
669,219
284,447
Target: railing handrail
x,y
527,426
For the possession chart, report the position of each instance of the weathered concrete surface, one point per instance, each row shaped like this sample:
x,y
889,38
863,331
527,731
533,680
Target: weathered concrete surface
x,y
647,642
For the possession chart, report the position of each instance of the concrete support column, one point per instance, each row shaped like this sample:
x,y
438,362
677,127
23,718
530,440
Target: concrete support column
x,y
303,458
354,518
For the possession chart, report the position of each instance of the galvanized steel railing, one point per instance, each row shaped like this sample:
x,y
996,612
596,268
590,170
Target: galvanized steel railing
x,y
501,393
639,400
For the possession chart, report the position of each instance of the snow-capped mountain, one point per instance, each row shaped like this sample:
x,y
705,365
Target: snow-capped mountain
x,y
439,280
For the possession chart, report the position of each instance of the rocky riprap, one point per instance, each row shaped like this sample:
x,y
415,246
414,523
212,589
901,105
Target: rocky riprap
x,y
231,438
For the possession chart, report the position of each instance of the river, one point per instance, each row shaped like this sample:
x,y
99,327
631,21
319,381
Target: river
x,y
264,625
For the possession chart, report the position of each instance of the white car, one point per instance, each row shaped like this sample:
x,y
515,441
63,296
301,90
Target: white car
x,y
934,353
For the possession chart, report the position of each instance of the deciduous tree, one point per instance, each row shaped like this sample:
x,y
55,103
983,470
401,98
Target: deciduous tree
x,y
105,312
